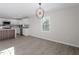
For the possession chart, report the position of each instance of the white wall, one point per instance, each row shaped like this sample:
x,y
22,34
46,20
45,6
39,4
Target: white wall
x,y
64,26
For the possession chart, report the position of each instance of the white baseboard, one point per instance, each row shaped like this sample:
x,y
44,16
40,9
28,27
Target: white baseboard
x,y
70,44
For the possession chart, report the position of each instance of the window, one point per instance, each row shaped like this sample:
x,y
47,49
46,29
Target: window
x,y
45,23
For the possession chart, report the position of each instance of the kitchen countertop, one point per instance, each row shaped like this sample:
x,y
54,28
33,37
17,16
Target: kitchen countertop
x,y
7,29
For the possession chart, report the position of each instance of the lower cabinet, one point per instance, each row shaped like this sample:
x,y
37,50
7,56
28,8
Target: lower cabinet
x,y
25,32
7,34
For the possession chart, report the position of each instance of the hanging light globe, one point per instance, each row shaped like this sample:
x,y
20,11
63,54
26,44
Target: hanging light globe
x,y
40,12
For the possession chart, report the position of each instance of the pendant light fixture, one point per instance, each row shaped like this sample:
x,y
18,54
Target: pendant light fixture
x,y
40,12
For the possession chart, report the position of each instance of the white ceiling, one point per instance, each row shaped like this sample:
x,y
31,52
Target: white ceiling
x,y
18,10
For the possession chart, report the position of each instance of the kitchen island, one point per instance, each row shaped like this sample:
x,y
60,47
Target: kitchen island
x,y
7,34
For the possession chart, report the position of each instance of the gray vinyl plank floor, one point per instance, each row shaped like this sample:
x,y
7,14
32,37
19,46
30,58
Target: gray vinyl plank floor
x,y
35,46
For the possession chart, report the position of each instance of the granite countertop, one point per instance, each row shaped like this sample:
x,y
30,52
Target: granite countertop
x,y
6,29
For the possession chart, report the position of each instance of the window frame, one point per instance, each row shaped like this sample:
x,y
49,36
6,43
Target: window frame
x,y
43,30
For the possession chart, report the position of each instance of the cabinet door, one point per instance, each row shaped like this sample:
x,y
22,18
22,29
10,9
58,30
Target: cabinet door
x,y
25,32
